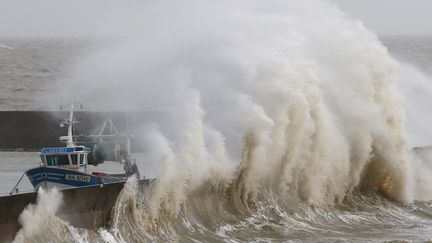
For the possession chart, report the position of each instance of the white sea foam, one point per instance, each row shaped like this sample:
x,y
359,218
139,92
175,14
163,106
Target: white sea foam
x,y
39,222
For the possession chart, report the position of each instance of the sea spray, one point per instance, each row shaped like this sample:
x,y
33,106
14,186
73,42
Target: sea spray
x,y
39,221
416,88
257,97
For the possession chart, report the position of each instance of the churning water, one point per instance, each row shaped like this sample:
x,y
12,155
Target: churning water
x,y
286,121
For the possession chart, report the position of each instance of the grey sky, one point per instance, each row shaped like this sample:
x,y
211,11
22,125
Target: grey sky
x,y
391,17
46,18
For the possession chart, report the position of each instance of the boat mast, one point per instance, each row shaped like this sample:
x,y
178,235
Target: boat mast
x,y
69,122
70,142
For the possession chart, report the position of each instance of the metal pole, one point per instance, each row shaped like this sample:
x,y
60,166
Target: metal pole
x,y
13,189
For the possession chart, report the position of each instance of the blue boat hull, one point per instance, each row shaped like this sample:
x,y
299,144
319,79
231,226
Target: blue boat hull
x,y
49,177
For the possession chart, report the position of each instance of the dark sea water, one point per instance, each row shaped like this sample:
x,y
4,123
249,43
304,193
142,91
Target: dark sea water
x,y
32,68
416,50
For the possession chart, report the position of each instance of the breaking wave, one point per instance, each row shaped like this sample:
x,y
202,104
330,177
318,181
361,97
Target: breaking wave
x,y
40,223
281,120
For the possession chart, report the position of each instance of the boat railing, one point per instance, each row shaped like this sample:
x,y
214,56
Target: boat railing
x,y
15,188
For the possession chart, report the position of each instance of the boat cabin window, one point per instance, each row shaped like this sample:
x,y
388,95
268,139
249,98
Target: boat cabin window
x,y
74,159
81,159
57,160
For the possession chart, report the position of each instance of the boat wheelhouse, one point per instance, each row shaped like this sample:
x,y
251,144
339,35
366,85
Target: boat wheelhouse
x,y
67,157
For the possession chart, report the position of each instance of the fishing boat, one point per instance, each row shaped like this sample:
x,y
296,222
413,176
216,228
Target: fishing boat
x,y
88,196
67,167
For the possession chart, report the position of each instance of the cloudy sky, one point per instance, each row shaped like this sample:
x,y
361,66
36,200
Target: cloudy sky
x,y
392,17
40,18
